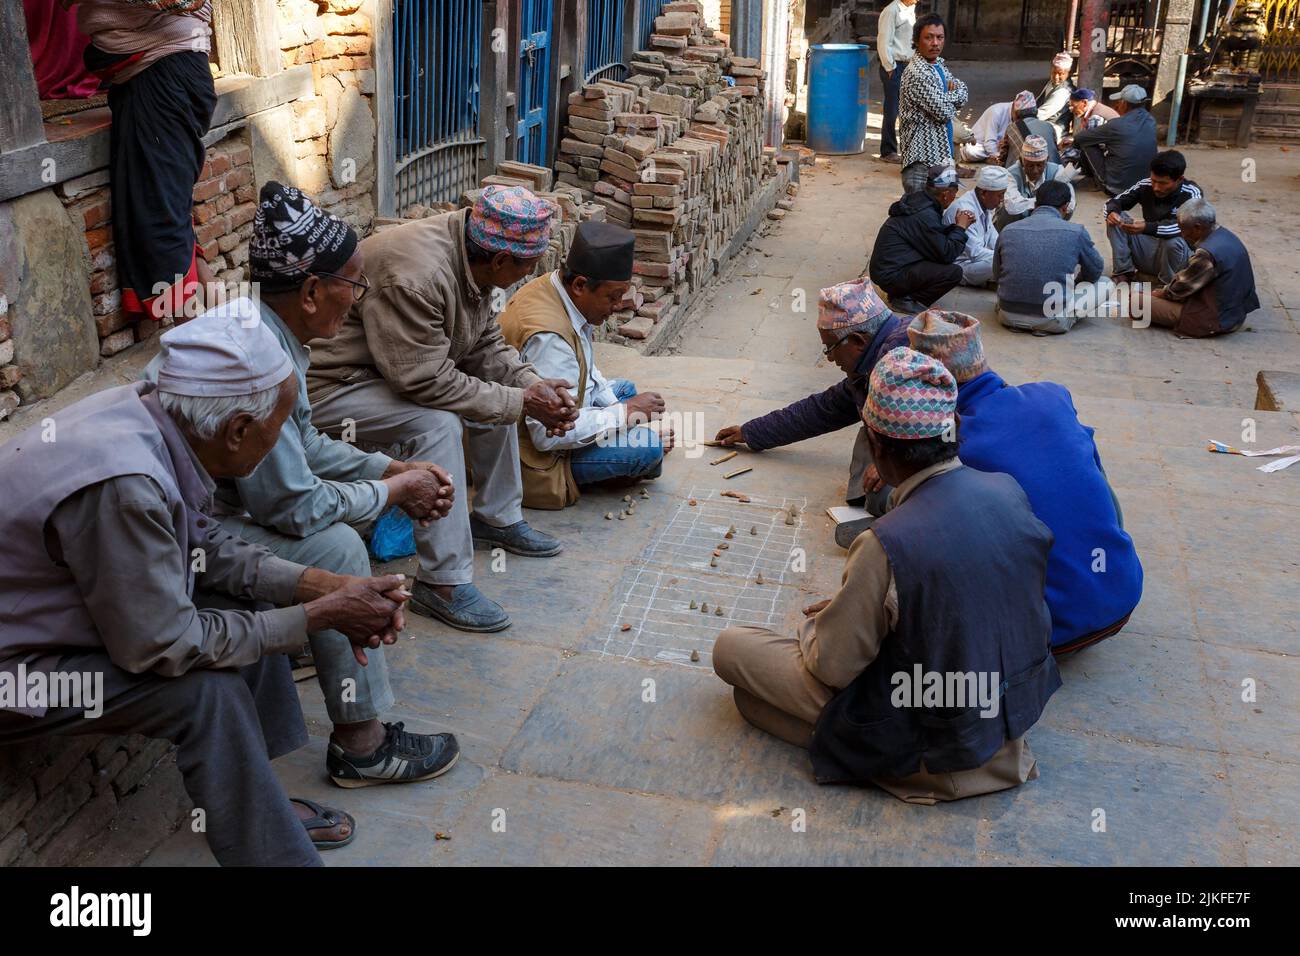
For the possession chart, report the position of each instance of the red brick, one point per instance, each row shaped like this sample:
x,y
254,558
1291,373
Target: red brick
x,y
9,376
203,212
220,163
245,194
205,172
102,281
98,238
119,340
241,154
240,176
5,330
97,212
108,324
228,242
241,215
146,329
224,202
207,189
209,231
208,250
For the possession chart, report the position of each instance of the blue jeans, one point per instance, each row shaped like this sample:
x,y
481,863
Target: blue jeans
x,y
633,453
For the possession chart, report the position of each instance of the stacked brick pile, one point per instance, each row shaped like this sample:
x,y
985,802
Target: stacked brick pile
x,y
9,373
674,154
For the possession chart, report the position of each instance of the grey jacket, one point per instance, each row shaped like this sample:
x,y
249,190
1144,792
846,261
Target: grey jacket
x,y
1038,253
1129,142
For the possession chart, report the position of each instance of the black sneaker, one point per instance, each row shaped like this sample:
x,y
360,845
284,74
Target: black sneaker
x,y
402,758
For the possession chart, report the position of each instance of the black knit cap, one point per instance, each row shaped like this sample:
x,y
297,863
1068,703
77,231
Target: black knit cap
x,y
294,238
601,251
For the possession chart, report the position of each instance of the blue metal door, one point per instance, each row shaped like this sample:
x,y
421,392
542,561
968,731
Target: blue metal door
x,y
436,48
604,52
533,96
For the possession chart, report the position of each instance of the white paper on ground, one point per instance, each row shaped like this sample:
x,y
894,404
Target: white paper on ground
x,y
842,513
1279,464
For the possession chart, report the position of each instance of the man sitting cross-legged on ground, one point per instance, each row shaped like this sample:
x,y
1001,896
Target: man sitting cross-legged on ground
x,y
114,569
310,493
550,322
949,583
1033,433
1153,244
1215,292
856,329
420,369
982,202
1046,266
1023,180
914,259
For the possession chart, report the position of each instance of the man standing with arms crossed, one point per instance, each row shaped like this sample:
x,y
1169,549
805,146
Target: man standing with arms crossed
x,y
929,97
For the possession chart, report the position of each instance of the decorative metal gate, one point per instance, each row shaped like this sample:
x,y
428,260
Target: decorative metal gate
x,y
1042,23
1279,60
604,51
535,20
436,48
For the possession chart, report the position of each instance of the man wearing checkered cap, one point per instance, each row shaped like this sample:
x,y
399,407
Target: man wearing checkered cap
x,y
948,582
420,369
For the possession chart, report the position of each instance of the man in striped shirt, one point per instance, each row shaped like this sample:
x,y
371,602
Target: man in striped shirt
x,y
1152,244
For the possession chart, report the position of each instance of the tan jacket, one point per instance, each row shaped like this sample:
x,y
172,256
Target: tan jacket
x,y
426,329
547,478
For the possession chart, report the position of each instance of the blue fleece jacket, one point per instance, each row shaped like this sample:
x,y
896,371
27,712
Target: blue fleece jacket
x,y
837,407
1033,433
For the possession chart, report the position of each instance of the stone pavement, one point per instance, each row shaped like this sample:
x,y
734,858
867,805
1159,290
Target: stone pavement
x,y
568,760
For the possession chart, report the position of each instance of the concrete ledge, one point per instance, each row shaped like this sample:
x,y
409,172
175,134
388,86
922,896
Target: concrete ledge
x,y
1278,392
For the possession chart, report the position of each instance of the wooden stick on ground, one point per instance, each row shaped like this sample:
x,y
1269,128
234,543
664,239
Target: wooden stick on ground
x,y
727,457
738,471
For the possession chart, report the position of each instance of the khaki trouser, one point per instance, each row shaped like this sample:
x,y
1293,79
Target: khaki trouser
x,y
776,693
408,431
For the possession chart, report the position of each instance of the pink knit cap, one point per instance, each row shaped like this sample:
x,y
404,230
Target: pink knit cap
x,y
910,396
511,219
851,303
951,337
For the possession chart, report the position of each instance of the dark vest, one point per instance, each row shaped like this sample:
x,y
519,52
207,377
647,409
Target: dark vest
x,y
969,561
1223,304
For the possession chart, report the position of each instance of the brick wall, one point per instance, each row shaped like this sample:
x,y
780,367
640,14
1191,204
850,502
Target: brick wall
x,y
9,373
59,796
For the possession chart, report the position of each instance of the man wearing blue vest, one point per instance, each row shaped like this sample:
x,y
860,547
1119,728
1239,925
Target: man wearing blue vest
x,y
926,670
1033,433
1215,291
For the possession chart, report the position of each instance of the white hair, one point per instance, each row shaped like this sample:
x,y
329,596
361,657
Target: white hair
x,y
204,415
1196,212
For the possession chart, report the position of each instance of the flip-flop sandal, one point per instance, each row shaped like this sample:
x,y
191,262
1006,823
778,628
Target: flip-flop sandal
x,y
325,818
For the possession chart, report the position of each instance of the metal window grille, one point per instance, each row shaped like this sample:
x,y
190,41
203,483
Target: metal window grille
x,y
436,50
604,52
646,24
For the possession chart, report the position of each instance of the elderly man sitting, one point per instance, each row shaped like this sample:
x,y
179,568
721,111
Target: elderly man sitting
x,y
310,493
1024,125
550,322
113,571
420,369
1032,433
1023,179
1087,114
949,581
914,259
1054,100
1215,291
856,329
988,131
976,260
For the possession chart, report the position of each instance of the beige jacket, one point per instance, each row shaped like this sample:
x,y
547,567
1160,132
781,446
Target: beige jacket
x,y
426,329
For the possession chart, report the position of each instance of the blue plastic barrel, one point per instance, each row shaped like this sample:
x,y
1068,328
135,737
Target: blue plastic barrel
x,y
837,97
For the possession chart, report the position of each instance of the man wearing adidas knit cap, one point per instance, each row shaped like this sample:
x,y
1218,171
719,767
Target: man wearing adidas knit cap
x,y
949,583
421,369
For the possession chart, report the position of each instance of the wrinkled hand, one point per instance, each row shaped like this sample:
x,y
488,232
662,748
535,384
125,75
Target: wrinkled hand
x,y
731,435
644,407
426,494
1113,219
813,609
368,611
871,480
965,218
550,403
1134,227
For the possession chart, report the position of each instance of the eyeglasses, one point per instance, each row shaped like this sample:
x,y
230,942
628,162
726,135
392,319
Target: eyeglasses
x,y
359,286
829,350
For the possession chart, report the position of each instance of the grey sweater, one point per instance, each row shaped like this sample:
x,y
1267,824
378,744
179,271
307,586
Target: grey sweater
x,y
1037,252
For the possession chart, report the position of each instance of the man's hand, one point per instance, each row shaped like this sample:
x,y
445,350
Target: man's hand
x,y
731,435
1114,219
644,407
965,218
550,403
952,84
813,609
871,480
368,611
426,494
1134,227
993,161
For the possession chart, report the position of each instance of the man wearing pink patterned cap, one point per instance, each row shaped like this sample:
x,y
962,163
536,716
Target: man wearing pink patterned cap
x,y
421,368
926,670
856,328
